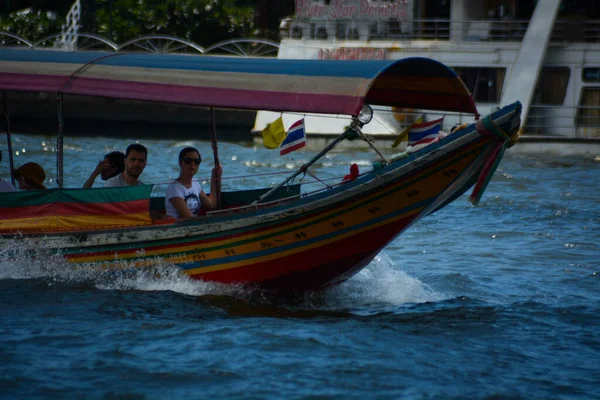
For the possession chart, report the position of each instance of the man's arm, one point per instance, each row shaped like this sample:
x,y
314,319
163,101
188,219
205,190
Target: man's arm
x,y
102,165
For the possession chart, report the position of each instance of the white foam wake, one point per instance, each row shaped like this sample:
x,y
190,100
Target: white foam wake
x,y
382,283
20,260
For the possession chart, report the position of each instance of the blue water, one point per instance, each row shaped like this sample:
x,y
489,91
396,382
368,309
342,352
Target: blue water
x,y
501,300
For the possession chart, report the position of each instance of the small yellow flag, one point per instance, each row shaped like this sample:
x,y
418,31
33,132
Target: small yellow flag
x,y
404,134
273,134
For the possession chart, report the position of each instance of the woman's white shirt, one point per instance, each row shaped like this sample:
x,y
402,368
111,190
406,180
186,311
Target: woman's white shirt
x,y
191,197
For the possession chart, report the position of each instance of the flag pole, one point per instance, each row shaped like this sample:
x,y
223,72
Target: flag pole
x,y
59,142
215,148
8,138
404,134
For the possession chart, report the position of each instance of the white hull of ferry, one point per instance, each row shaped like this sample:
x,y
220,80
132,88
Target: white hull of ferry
x,y
558,80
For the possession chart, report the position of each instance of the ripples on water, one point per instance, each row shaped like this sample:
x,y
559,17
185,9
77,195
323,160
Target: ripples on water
x,y
499,300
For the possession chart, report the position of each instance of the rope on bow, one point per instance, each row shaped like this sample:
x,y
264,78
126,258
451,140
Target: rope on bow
x,y
501,142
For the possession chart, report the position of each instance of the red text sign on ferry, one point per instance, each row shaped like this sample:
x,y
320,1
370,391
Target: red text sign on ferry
x,y
346,9
360,53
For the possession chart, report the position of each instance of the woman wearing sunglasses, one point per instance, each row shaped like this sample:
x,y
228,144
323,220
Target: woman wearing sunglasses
x,y
184,197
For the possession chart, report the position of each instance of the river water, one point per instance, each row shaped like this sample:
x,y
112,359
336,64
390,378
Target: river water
x,y
501,300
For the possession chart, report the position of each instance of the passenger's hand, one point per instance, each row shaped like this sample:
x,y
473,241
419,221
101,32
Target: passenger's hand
x,y
102,165
217,172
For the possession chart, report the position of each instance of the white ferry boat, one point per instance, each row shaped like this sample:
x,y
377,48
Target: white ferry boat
x,y
543,53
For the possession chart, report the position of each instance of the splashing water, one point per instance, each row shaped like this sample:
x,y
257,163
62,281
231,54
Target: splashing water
x,y
21,260
381,283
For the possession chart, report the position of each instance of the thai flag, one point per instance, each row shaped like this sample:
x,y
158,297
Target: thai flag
x,y
295,139
425,132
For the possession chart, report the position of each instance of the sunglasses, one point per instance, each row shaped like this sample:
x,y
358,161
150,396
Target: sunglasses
x,y
189,160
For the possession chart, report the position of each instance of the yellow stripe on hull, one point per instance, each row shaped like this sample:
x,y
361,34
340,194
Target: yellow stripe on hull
x,y
74,222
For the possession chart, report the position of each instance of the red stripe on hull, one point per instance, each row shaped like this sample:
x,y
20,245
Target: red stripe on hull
x,y
339,261
75,209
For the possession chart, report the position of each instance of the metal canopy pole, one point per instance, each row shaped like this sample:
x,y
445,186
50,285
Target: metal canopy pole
x,y
8,138
370,143
59,142
215,148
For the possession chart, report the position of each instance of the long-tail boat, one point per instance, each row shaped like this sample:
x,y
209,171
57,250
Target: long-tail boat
x,y
276,238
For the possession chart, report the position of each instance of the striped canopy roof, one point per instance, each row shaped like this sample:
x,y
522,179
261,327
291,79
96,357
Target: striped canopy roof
x,y
317,86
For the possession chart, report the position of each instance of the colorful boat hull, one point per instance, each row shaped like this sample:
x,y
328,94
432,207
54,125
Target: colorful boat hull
x,y
297,243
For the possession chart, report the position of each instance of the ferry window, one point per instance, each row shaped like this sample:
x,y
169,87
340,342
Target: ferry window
x,y
393,27
551,86
485,83
578,7
373,31
297,32
353,34
588,112
590,75
436,19
524,9
340,30
321,33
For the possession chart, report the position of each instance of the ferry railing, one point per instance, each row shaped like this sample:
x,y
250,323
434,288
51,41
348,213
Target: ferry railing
x,y
547,120
486,30
417,29
543,120
490,30
573,31
397,120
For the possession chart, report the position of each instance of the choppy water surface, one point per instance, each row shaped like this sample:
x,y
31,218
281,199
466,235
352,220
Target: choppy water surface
x,y
501,300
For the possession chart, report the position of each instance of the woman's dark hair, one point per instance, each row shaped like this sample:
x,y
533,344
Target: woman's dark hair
x,y
187,150
116,159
